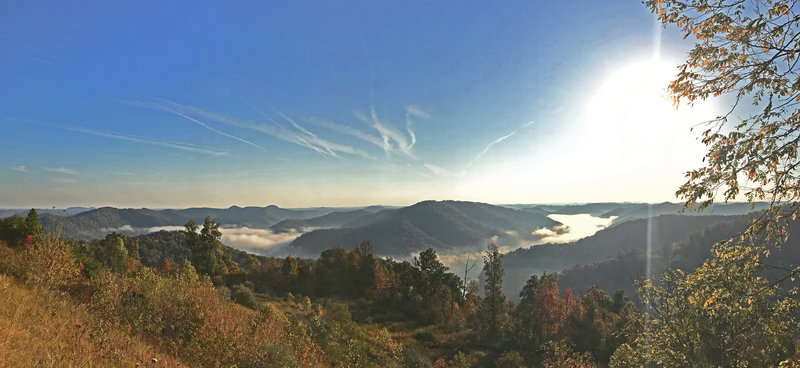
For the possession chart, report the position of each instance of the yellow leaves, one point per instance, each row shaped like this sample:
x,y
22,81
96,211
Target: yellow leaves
x,y
709,301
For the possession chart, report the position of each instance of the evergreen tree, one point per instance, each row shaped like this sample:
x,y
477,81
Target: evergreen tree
x,y
34,228
494,303
525,313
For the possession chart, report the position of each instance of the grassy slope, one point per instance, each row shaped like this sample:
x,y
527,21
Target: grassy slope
x,y
42,328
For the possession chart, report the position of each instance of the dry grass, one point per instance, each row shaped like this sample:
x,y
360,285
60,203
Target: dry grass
x,y
43,328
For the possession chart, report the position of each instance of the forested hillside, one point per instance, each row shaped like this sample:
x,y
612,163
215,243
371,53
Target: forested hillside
x,y
658,231
620,272
446,226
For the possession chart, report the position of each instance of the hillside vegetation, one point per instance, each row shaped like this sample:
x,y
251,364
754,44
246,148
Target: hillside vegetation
x,y
98,303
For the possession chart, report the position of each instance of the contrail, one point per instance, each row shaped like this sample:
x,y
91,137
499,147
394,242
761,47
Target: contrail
x,y
498,140
217,131
170,144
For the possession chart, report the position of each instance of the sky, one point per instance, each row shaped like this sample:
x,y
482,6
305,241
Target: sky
x,y
300,104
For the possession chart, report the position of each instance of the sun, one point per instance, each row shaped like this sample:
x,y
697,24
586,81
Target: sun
x,y
631,111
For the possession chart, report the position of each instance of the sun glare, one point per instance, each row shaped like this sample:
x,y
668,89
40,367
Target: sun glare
x,y
632,111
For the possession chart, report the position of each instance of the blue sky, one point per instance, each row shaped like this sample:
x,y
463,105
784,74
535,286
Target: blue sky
x,y
175,104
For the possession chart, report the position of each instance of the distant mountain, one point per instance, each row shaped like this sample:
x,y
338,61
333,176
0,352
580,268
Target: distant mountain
x,y
445,225
619,272
331,220
96,223
69,211
257,217
660,231
626,211
594,209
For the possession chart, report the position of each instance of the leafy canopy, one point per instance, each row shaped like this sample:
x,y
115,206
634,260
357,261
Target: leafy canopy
x,y
747,51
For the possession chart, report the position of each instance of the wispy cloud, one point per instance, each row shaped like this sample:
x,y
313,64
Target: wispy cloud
x,y
413,111
61,170
344,129
153,142
392,140
298,135
439,171
501,139
20,168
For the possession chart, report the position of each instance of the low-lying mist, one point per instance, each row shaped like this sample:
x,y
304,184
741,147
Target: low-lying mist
x,y
573,227
259,241
268,243
253,240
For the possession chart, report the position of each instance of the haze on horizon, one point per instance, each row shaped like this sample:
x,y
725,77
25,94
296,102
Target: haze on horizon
x,y
319,104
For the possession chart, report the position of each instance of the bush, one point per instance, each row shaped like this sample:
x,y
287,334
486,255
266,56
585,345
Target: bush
x,y
49,263
414,357
510,359
425,335
182,313
243,295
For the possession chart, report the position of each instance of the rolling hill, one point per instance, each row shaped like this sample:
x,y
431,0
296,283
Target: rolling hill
x,y
445,225
620,271
96,223
662,231
334,219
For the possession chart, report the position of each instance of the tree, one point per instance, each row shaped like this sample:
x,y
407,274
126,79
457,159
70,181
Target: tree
x,y
207,254
113,252
559,355
438,288
34,228
725,314
252,264
527,322
749,52
432,272
494,302
548,309
18,230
